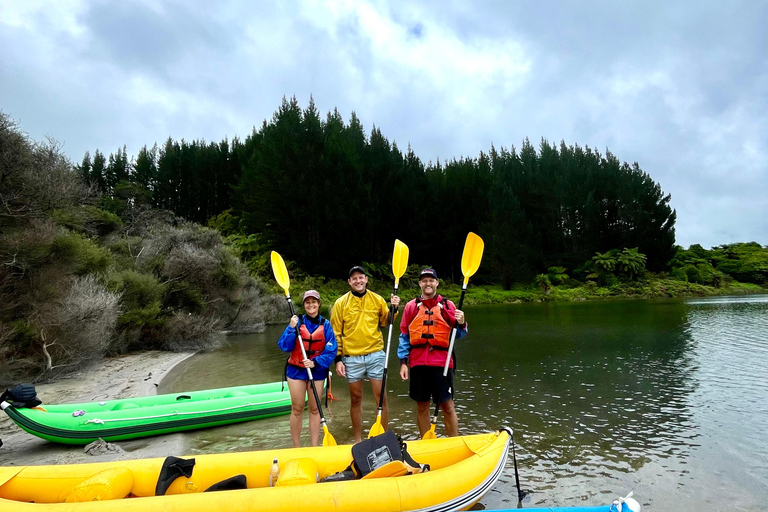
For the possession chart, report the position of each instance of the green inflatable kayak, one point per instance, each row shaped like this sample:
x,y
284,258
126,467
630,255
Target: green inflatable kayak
x,y
130,418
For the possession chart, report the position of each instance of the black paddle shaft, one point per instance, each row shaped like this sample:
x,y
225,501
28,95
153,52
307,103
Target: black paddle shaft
x,y
520,493
309,371
392,313
442,379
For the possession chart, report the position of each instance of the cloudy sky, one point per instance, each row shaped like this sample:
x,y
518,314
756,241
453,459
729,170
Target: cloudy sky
x,y
679,87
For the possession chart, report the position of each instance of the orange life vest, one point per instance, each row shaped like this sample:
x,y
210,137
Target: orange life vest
x,y
314,343
429,327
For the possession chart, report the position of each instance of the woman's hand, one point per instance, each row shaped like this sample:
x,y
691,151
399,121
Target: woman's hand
x,y
294,321
308,363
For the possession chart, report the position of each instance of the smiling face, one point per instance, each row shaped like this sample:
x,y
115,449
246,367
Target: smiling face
x,y
428,287
312,306
358,281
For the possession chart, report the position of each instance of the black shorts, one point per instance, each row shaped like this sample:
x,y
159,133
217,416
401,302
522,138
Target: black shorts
x,y
427,384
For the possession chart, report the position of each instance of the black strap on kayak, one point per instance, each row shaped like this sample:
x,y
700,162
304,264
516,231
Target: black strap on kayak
x,y
229,484
173,468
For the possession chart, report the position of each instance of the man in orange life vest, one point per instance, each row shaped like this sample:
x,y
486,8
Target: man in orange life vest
x,y
425,335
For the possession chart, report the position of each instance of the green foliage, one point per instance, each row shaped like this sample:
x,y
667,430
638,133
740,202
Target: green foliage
x,y
747,262
87,220
81,253
692,274
184,296
543,282
252,251
631,263
606,262
138,290
23,335
557,275
144,318
227,223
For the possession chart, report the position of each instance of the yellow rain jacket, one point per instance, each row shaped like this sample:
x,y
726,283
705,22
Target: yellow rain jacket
x,y
356,320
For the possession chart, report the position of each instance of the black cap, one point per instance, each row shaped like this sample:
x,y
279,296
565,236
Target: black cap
x,y
357,268
428,272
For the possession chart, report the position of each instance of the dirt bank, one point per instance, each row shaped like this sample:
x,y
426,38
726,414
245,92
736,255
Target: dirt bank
x,y
124,377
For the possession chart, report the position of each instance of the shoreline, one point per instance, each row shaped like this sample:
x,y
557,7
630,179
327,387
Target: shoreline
x,y
128,376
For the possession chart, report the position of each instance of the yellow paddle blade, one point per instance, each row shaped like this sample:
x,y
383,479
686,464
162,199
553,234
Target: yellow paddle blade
x,y
377,428
328,439
399,260
281,272
430,434
473,254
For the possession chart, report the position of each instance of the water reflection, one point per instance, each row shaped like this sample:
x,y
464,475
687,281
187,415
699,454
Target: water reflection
x,y
592,389
666,398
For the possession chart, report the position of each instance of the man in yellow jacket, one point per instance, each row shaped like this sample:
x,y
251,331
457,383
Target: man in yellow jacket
x,y
355,318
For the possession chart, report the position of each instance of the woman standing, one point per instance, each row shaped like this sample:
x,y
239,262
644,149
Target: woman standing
x,y
319,342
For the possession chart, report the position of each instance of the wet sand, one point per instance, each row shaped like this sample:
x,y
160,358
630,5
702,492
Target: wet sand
x,y
124,377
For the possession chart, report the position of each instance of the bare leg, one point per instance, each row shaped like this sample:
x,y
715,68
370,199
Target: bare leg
x,y
422,417
298,390
314,414
356,409
376,388
450,418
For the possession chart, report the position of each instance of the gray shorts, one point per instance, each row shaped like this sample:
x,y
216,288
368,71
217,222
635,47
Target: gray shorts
x,y
368,365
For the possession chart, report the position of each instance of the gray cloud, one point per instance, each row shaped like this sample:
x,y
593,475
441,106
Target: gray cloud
x,y
681,88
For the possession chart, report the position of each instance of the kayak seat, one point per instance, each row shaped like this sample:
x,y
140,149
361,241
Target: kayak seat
x,y
121,406
394,468
298,472
110,484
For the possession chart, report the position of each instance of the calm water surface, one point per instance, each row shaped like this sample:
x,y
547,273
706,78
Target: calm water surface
x,y
668,399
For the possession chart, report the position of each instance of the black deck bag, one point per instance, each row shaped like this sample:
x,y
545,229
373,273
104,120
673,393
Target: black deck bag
x,y
21,395
378,451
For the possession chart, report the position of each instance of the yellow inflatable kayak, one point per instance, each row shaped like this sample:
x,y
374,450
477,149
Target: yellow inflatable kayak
x,y
462,470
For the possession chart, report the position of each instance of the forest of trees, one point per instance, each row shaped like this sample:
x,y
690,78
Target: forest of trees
x,y
327,196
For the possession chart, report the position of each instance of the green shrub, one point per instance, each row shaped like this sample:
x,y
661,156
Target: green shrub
x,y
692,274
557,275
85,256
543,282
23,335
184,296
142,317
87,219
138,290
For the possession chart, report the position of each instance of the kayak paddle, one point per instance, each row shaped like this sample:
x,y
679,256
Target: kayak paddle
x,y
399,263
281,276
470,262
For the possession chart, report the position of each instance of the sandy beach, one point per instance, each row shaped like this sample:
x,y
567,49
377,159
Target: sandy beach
x,y
123,377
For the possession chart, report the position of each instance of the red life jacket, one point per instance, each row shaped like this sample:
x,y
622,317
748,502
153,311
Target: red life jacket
x,y
429,327
314,343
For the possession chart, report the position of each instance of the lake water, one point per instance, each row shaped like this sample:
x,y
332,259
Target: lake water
x,y
666,398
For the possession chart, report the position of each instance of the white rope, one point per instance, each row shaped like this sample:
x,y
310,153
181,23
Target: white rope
x,y
176,413
631,504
